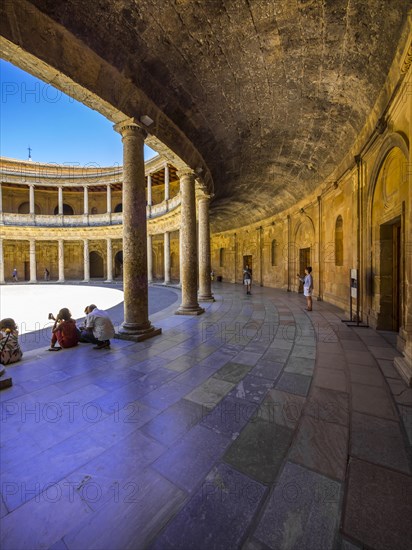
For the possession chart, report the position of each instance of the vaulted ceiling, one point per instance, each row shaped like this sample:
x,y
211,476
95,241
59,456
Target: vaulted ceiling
x,y
272,93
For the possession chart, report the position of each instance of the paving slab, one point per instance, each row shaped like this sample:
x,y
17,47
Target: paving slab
x,y
379,441
260,449
378,507
294,383
302,512
218,514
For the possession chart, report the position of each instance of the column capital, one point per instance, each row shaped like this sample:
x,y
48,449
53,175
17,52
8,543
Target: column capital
x,y
186,173
130,127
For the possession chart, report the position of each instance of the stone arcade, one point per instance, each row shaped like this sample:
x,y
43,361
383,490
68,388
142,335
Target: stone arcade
x,y
283,131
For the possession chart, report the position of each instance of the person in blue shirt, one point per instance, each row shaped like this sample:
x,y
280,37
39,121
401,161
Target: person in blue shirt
x,y
307,281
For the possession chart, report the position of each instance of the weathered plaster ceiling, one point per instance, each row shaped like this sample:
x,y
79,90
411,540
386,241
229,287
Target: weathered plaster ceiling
x,y
271,93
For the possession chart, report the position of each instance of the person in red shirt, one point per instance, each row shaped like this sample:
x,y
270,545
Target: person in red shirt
x,y
64,331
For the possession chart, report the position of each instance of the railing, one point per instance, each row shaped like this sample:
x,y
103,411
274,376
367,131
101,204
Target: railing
x,y
76,220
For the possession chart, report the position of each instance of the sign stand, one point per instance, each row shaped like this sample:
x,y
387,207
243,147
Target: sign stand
x,y
354,294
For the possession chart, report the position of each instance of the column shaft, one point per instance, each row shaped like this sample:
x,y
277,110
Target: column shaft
x,y
205,285
149,190
86,200
61,260
86,259
1,199
189,305
167,257
32,254
136,325
1,262
31,199
60,201
109,261
149,259
167,183
109,199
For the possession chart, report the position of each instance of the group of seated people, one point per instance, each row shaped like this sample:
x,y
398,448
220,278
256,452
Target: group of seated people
x,y
97,329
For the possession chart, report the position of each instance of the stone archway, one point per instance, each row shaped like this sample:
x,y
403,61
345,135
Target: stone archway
x,y
67,210
24,208
302,251
118,264
388,251
96,265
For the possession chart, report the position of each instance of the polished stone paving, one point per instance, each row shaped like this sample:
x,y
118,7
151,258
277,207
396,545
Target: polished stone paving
x,y
255,426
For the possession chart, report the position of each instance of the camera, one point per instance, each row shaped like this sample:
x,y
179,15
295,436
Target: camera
x,y
51,316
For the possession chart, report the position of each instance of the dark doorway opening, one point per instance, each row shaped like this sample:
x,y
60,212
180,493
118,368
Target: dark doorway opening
x,y
118,264
304,262
96,265
390,276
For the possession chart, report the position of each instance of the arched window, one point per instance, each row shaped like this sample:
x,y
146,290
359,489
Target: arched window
x,y
118,207
93,210
24,208
339,241
222,257
273,253
67,210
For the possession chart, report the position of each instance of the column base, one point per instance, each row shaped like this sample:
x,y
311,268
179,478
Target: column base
x,y
206,298
109,281
34,281
60,281
404,367
189,310
130,331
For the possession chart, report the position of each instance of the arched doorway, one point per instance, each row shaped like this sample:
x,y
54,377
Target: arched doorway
x,y
118,264
388,246
24,208
118,207
67,210
302,251
96,265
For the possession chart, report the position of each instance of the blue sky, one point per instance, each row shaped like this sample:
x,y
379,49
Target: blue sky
x,y
58,128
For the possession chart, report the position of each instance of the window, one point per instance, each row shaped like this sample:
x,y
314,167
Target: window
x,y
339,241
222,257
273,253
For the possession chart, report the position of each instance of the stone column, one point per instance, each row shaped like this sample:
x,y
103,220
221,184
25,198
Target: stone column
x,y
109,199
205,284
86,200
136,325
149,259
180,258
61,261
86,261
188,264
167,182
32,254
60,201
149,190
167,257
109,261
1,205
31,199
2,280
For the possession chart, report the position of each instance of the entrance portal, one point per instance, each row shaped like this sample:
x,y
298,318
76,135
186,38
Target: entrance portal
x,y
304,262
390,276
96,265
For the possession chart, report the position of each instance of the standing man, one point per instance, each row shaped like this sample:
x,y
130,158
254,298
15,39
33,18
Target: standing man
x,y
247,279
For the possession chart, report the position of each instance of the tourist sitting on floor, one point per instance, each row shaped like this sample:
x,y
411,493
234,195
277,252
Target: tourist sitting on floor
x,y
99,324
86,335
10,351
64,331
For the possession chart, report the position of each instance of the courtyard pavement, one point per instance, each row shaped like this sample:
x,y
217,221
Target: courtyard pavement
x,y
256,425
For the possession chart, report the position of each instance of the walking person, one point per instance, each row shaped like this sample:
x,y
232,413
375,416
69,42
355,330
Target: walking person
x,y
307,281
14,275
247,279
46,274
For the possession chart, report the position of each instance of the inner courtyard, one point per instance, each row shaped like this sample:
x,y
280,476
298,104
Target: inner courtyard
x,y
219,419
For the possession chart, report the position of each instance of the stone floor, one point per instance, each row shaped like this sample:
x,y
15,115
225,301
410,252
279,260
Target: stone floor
x,y
256,425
